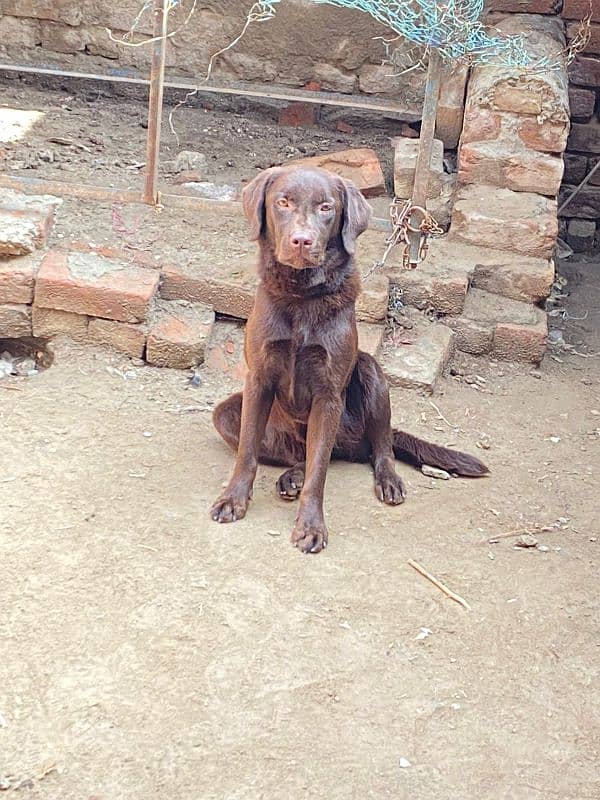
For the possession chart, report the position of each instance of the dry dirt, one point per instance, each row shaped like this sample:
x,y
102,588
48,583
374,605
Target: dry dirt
x,y
102,136
147,651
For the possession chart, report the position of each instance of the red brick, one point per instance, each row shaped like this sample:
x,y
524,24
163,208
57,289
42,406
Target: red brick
x,y
481,125
585,71
370,338
514,342
521,170
17,278
582,102
15,321
298,115
312,86
579,9
547,136
520,222
516,277
525,6
343,127
229,288
372,302
85,283
122,336
48,323
516,99
442,293
585,138
25,221
361,166
593,45
56,10
178,335
451,105
61,39
575,168
225,350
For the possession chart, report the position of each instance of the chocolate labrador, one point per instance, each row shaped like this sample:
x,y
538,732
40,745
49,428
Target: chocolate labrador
x,y
310,393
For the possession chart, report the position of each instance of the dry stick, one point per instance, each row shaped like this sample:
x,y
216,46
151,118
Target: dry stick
x,y
442,587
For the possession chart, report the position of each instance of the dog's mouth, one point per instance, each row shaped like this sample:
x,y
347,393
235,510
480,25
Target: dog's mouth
x,y
307,260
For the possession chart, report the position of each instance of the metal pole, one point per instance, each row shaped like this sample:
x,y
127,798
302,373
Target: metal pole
x,y
157,79
423,165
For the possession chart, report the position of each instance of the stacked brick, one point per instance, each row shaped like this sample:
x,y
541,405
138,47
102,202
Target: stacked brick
x,y
510,169
580,219
99,297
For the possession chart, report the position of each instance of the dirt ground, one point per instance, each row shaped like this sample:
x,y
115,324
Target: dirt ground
x,y
88,133
147,651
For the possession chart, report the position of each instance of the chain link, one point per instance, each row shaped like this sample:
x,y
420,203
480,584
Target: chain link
x,y
401,213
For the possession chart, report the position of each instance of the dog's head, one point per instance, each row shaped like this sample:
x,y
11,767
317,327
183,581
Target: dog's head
x,y
300,212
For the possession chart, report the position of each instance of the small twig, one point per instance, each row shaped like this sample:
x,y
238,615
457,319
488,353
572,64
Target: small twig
x,y
508,535
147,547
440,415
442,587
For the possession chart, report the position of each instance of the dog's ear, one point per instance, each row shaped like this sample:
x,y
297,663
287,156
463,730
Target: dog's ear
x,y
253,201
355,218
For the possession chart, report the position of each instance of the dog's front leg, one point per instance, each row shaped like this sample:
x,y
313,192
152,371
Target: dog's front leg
x,y
257,400
310,532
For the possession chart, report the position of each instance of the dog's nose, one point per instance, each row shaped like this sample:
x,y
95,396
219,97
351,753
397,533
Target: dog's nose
x,y
300,239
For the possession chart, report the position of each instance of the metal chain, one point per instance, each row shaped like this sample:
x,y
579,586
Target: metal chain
x,y
401,213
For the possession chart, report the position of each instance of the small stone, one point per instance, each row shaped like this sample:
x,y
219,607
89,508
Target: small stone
x,y
526,541
404,763
4,783
434,472
543,548
554,439
147,434
191,161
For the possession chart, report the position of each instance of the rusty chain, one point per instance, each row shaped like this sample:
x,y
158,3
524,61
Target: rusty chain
x,y
401,213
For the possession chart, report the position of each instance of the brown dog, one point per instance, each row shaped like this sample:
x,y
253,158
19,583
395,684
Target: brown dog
x,y
310,394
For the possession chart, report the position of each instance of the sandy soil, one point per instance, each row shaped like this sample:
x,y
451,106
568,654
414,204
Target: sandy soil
x,y
147,651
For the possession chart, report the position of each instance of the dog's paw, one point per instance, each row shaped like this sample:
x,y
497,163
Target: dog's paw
x,y
229,507
309,537
389,488
289,485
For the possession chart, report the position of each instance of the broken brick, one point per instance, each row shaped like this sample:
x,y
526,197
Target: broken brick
x,y
17,278
360,165
178,334
298,115
122,336
48,323
15,321
25,221
86,283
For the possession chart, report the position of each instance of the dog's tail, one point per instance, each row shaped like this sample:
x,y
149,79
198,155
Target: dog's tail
x,y
418,452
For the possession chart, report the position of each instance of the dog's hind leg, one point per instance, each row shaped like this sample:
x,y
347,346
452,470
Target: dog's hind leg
x,y
278,448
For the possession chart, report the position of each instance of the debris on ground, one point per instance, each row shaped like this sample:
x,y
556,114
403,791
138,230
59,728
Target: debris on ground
x,y
526,541
434,472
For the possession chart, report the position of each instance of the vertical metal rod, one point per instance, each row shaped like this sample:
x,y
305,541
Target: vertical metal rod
x,y
423,164
157,78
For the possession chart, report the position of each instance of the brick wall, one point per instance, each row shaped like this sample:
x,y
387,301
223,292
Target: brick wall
x,y
304,42
581,219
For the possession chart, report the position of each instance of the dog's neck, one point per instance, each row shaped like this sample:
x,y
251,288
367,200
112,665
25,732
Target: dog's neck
x,y
336,275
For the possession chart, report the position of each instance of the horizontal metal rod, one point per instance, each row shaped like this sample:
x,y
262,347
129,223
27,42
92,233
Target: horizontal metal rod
x,y
83,191
247,90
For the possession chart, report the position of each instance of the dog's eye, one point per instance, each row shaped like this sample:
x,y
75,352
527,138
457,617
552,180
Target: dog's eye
x,y
325,207
283,203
